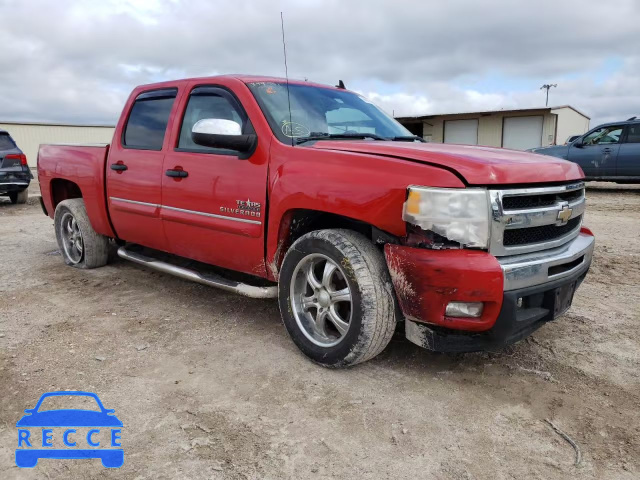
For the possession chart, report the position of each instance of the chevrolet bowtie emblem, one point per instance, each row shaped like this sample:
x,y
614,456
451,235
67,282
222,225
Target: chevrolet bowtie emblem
x,y
564,215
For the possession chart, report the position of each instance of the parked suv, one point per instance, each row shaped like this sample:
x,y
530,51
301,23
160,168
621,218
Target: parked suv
x,y
608,152
15,175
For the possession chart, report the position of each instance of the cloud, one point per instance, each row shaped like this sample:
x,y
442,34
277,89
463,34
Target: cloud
x,y
77,61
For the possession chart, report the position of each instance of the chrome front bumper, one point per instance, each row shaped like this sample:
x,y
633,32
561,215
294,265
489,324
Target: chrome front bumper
x,y
526,270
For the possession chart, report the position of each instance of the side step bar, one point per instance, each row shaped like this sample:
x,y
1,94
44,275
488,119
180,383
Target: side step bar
x,y
211,280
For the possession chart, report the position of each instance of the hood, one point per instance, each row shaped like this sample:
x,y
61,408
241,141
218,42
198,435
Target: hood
x,y
477,165
560,151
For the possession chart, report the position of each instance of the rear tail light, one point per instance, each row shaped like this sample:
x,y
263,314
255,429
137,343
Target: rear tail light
x,y
17,156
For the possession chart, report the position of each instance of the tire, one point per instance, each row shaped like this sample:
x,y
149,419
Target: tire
x,y
72,229
20,197
359,268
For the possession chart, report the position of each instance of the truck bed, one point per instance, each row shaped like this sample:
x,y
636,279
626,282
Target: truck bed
x,y
80,170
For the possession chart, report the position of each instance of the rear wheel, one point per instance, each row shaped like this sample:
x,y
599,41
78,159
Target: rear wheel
x,y
336,298
80,245
19,197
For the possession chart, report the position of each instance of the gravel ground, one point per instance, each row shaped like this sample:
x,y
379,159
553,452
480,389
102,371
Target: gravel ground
x,y
208,385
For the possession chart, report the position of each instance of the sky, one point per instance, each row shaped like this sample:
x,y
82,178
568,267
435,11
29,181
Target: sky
x,y
76,61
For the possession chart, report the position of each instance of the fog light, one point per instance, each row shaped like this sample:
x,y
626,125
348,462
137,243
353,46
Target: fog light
x,y
519,302
464,309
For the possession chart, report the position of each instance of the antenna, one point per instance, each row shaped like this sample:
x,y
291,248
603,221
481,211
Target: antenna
x,y
286,73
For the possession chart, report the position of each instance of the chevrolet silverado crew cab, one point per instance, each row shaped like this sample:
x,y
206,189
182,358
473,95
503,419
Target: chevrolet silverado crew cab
x,y
313,195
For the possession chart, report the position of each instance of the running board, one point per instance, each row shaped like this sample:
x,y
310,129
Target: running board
x,y
211,280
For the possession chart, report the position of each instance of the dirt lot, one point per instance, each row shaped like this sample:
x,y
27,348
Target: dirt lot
x,y
208,385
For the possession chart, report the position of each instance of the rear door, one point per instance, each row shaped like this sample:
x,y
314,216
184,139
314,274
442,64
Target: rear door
x,y
134,170
598,151
216,213
628,164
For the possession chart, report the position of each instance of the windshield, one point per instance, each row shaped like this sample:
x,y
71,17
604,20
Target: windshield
x,y
318,111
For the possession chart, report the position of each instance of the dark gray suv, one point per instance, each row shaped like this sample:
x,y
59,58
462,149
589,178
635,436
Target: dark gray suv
x,y
15,175
609,152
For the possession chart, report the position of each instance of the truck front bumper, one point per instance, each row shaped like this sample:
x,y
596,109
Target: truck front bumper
x,y
519,293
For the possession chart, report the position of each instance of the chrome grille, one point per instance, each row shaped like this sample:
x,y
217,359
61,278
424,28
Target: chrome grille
x,y
533,219
524,236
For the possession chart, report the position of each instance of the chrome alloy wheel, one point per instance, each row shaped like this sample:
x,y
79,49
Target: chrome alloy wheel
x,y
321,300
71,238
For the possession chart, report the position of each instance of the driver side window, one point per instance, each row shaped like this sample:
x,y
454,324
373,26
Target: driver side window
x,y
604,136
205,106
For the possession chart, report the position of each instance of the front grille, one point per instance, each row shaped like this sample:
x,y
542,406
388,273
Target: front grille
x,y
540,200
545,233
524,220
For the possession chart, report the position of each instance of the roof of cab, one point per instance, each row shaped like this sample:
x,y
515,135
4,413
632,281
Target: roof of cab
x,y
243,78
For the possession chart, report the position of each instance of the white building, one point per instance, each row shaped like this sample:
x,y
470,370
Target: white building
x,y
518,129
29,135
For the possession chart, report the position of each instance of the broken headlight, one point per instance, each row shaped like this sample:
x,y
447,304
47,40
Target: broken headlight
x,y
458,214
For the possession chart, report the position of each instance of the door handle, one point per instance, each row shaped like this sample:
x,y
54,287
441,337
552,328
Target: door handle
x,y
175,173
119,167
607,150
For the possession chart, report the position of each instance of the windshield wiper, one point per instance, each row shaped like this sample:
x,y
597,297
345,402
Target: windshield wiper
x,y
338,136
408,138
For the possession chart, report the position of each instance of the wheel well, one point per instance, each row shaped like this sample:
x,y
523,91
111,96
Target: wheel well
x,y
62,189
298,222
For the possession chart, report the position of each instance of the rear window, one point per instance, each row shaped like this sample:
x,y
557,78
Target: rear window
x,y
148,120
634,134
6,142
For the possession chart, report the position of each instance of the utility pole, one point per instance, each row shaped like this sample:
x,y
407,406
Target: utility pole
x,y
547,86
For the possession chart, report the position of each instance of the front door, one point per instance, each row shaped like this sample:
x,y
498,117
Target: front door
x,y
214,211
598,151
628,164
134,170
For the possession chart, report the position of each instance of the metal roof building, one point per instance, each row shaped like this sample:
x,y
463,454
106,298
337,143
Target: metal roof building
x,y
29,135
519,129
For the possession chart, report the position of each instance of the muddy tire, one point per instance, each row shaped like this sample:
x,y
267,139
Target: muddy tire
x,y
336,297
20,197
79,244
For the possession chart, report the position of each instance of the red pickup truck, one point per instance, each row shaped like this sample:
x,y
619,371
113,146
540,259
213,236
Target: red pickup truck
x,y
313,195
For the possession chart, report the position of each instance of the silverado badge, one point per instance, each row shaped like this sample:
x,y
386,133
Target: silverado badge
x,y
244,207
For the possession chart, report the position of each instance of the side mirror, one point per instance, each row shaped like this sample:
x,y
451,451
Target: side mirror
x,y
577,143
220,133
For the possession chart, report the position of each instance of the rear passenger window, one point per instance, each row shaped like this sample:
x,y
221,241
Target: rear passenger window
x,y
634,134
148,120
209,102
6,143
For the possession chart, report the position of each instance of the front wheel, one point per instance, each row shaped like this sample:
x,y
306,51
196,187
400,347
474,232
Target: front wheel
x,y
81,246
336,297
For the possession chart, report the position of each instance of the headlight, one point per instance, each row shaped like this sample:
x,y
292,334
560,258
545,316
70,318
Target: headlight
x,y
459,214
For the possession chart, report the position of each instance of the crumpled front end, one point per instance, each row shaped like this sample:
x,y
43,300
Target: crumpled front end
x,y
468,281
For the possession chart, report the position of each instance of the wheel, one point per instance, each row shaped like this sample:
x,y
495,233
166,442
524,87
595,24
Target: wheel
x,y
19,197
336,297
80,245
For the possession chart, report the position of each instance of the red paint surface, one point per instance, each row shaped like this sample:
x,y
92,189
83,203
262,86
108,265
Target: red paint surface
x,y
82,165
425,281
478,165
